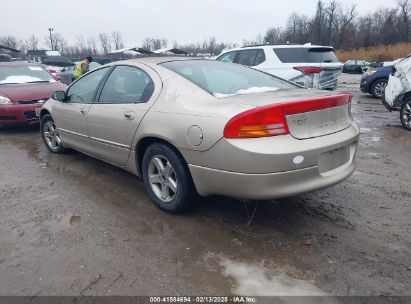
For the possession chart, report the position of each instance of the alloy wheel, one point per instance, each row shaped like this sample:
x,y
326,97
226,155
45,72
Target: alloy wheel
x,y
406,115
162,178
51,135
380,88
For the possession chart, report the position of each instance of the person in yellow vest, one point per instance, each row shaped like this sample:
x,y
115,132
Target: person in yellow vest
x,y
82,68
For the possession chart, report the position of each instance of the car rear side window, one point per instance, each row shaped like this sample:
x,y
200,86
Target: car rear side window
x,y
127,84
83,90
251,57
306,55
224,79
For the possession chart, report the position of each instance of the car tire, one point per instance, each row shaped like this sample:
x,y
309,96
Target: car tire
x,y
167,179
378,88
50,135
405,114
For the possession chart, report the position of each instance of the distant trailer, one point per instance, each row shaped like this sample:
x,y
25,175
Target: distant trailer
x,y
170,51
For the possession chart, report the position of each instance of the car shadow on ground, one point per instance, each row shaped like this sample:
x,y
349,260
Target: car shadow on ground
x,y
292,213
11,129
282,215
288,214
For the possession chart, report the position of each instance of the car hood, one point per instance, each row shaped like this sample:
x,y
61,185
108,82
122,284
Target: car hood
x,y
30,91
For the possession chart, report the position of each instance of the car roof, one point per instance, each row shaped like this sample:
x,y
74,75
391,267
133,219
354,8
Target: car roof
x,y
277,46
17,64
151,61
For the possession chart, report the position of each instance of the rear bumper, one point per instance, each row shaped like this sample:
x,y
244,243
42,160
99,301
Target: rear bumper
x,y
266,186
322,81
19,114
265,168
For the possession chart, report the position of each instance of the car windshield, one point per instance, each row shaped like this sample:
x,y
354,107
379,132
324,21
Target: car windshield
x,y
306,55
24,74
226,79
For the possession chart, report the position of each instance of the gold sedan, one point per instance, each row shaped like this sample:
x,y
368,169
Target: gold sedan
x,y
189,126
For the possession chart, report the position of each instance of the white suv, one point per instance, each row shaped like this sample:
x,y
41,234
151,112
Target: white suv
x,y
311,66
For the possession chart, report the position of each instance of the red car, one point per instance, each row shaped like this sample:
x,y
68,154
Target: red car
x,y
24,87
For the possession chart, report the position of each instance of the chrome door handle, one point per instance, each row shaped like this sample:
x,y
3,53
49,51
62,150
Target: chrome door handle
x,y
129,115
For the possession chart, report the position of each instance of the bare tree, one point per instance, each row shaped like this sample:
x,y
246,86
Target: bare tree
x,y
9,41
318,22
105,42
153,44
274,35
32,43
331,11
92,45
58,42
298,29
117,40
404,7
81,44
345,19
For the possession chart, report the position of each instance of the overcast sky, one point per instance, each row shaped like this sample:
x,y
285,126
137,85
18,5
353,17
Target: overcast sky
x,y
177,20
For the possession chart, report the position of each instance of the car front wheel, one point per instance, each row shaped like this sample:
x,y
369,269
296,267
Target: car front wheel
x,y
405,115
378,88
167,179
50,135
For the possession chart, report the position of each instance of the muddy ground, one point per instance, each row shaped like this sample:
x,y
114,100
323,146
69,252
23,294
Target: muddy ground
x,y
73,225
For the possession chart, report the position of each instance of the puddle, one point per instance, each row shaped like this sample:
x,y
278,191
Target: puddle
x,y
254,279
63,223
75,220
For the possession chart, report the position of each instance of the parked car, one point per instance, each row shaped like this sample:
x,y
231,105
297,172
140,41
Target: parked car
x,y
52,61
66,74
24,87
54,64
354,66
374,81
5,58
391,63
308,65
397,95
190,126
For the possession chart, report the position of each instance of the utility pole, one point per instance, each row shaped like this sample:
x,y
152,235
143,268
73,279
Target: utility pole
x,y
51,37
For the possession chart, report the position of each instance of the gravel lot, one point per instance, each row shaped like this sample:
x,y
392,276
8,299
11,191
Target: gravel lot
x,y
73,225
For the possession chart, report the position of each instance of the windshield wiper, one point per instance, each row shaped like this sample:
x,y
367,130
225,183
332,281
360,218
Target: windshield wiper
x,y
38,81
9,83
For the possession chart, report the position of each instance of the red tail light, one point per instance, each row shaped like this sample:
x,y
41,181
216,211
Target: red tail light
x,y
259,122
309,70
52,71
267,121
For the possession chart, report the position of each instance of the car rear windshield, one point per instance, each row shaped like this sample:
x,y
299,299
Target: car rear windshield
x,y
24,74
223,79
306,55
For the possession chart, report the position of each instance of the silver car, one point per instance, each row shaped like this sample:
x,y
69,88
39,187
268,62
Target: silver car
x,y
191,126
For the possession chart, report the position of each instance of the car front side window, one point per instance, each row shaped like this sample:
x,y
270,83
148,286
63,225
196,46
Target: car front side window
x,y
127,84
82,91
228,57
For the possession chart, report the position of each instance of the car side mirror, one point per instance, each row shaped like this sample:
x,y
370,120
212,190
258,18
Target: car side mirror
x,y
59,95
63,70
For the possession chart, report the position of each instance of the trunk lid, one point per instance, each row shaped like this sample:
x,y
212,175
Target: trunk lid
x,y
308,113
